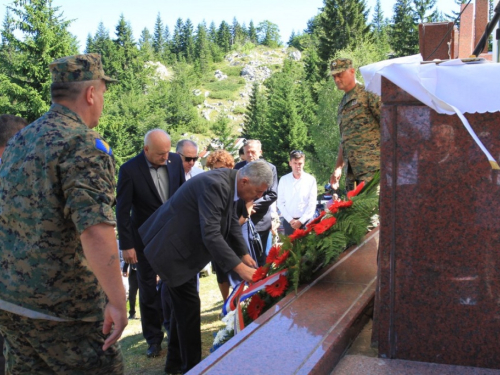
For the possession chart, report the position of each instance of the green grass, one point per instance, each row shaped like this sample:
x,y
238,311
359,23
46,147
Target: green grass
x,y
134,346
224,85
232,71
226,95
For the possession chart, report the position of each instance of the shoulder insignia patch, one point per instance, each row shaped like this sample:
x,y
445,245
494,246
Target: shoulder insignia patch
x,y
103,146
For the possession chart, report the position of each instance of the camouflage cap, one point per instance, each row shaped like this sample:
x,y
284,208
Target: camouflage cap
x,y
340,65
78,68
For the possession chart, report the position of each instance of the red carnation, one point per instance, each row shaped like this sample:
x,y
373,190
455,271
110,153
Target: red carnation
x,y
334,207
299,233
255,307
356,191
273,253
316,220
281,259
277,288
324,225
260,273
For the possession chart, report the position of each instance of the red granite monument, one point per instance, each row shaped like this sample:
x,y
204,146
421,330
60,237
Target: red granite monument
x,y
439,262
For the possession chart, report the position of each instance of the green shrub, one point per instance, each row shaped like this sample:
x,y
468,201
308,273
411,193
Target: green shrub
x,y
196,100
239,110
224,94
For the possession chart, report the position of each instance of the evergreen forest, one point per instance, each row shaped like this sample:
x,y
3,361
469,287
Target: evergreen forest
x,y
212,83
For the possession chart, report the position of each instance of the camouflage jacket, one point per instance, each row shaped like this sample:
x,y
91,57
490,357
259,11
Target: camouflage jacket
x,y
358,118
57,178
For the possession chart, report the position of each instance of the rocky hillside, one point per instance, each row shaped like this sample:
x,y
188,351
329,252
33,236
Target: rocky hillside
x,y
230,85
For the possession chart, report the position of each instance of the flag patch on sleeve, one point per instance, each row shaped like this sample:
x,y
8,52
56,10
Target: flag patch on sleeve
x,y
103,146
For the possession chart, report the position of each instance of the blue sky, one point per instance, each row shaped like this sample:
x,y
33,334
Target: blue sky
x,y
287,14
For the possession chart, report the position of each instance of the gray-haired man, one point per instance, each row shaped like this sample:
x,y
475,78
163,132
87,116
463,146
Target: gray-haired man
x,y
197,225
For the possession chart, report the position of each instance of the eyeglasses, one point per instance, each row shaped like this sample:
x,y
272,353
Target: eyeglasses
x,y
188,158
296,154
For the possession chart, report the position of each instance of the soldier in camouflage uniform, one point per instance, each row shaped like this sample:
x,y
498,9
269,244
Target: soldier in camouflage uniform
x,y
58,254
358,118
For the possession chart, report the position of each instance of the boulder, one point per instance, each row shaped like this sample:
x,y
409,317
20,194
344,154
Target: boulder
x,y
295,55
219,75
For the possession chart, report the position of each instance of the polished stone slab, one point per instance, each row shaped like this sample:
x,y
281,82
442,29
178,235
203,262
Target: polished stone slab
x,y
362,365
306,333
439,237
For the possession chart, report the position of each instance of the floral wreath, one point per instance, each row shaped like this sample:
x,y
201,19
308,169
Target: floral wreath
x,y
299,256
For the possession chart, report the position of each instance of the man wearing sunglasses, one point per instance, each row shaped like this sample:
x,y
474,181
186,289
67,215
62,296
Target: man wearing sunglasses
x,y
188,150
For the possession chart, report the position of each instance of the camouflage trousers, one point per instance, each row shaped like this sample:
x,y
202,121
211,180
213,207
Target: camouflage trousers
x,y
35,346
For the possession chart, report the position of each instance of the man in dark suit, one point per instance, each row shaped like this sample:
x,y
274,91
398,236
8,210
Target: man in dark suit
x,y
144,184
261,215
197,225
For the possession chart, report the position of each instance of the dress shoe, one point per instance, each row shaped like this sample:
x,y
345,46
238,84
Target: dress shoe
x,y
153,350
173,371
132,316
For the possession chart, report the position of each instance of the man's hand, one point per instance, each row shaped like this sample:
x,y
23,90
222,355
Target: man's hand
x,y
115,321
335,178
295,224
125,274
245,272
129,256
249,261
249,206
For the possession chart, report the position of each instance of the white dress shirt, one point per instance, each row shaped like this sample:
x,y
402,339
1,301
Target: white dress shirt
x,y
193,172
297,197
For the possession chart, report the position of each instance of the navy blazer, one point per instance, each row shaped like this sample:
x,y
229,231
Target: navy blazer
x,y
137,197
196,225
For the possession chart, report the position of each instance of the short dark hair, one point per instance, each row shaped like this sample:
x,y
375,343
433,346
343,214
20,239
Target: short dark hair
x,y
68,90
10,125
241,151
296,154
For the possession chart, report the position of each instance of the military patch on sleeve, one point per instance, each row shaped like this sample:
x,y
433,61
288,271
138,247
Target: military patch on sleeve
x,y
103,146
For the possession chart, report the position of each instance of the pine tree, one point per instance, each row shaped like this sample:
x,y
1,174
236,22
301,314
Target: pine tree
x,y
252,33
34,34
224,37
224,136
343,24
285,130
454,16
126,50
212,33
203,54
237,34
187,41
403,32
176,45
255,120
167,56
158,38
103,45
424,10
380,27
146,50
312,68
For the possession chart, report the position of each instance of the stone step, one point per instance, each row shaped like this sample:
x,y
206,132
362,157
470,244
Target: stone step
x,y
307,332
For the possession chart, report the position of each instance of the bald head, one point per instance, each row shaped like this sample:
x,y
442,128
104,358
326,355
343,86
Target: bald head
x,y
157,145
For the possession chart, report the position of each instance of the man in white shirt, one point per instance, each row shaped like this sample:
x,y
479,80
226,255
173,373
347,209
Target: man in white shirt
x,y
188,150
297,194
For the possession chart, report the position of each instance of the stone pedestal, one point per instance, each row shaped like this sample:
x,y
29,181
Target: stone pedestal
x,y
439,260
